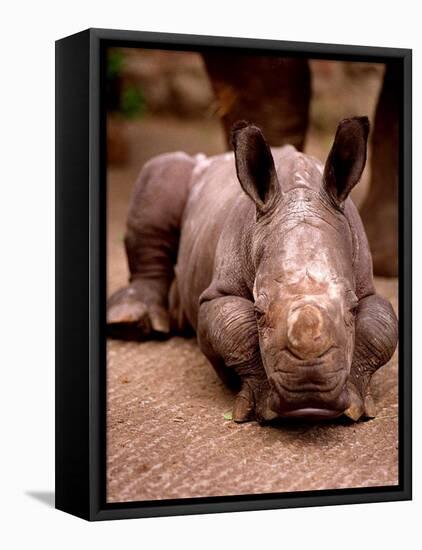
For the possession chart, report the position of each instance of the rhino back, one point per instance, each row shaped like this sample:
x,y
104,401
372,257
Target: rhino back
x,y
214,191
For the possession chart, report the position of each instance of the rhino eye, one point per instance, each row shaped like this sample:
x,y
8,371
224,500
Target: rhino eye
x,y
354,308
353,302
259,312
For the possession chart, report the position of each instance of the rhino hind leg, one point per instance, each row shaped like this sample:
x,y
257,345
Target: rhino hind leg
x,y
375,342
140,309
228,336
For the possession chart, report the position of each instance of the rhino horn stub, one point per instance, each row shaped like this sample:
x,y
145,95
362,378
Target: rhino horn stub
x,y
307,332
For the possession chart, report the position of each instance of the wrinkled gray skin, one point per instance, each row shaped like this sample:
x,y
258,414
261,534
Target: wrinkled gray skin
x,y
274,274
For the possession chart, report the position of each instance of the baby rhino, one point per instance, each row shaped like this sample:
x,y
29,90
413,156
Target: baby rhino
x,y
274,274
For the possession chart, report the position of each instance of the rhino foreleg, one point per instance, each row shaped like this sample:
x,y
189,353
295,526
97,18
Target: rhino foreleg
x,y
376,333
228,336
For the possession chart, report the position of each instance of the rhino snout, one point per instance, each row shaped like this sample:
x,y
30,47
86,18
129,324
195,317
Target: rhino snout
x,y
308,331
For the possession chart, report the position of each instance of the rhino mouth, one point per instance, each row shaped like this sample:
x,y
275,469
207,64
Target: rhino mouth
x,y
312,413
322,397
312,409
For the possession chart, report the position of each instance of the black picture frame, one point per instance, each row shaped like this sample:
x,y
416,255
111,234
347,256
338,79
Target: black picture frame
x,y
81,273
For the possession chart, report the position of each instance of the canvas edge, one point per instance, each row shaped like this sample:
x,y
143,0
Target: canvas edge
x,y
95,508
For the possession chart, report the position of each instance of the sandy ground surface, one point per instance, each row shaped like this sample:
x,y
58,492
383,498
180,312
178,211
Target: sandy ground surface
x,y
166,432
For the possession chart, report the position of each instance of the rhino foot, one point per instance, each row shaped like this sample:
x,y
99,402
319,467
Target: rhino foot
x,y
251,402
362,404
244,405
133,314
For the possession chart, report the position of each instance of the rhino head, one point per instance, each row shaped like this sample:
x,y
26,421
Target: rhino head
x,y
303,254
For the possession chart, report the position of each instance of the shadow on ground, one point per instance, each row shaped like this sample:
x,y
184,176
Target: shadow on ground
x,y
45,497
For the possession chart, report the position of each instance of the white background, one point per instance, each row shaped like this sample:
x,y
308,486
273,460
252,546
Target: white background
x,y
27,273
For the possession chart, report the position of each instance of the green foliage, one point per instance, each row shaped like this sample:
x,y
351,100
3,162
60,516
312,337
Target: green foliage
x,y
127,99
132,102
115,63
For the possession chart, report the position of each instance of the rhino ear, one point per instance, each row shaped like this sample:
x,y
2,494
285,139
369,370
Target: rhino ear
x,y
347,158
255,165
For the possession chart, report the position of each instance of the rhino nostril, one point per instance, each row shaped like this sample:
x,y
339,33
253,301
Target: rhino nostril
x,y
307,331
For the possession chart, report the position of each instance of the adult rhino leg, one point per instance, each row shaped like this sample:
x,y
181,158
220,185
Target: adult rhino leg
x,y
379,210
228,336
376,332
140,309
272,92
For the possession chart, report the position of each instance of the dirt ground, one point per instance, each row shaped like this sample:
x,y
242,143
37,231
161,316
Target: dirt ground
x,y
167,436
